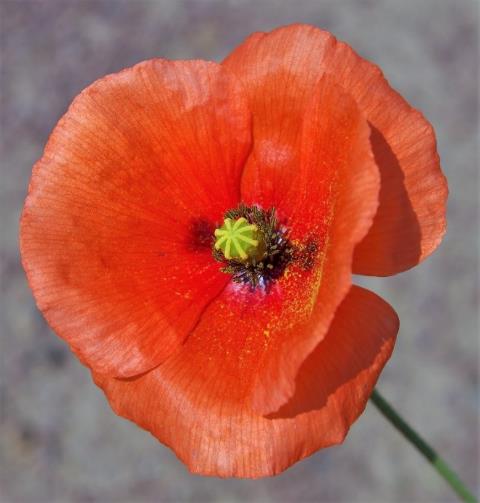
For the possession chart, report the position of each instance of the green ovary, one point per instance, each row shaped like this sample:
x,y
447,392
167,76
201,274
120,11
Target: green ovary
x,y
237,239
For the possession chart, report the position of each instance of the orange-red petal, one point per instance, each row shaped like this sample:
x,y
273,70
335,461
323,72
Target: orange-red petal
x,y
116,230
197,402
328,209
279,71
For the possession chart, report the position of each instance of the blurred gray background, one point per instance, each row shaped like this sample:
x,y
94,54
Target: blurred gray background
x,y
59,439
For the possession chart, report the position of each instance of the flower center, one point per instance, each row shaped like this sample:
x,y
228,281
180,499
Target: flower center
x,y
238,239
252,246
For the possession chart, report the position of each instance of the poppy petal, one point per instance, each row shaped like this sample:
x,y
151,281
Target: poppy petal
x,y
279,71
330,207
197,401
117,228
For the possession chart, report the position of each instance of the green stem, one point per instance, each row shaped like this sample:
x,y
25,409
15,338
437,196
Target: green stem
x,y
412,436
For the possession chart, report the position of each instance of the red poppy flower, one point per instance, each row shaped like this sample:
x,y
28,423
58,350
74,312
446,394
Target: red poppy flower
x,y
244,367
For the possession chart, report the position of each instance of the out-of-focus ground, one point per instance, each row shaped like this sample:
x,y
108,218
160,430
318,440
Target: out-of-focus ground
x,y
59,439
